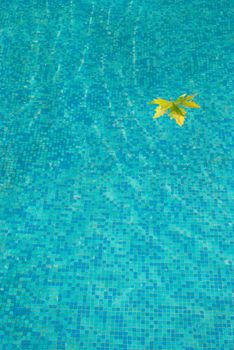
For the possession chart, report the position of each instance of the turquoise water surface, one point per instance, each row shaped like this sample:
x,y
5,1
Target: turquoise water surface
x,y
116,229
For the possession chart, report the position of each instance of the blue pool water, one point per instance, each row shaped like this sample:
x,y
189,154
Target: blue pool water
x,y
116,229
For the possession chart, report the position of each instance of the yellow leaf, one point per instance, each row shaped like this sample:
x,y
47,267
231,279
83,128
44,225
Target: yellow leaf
x,y
175,107
186,101
178,118
163,103
159,111
178,114
190,104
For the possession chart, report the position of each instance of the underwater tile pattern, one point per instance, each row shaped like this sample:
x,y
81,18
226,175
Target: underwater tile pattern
x,y
116,229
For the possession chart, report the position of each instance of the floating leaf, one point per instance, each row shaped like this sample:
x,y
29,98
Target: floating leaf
x,y
162,103
186,101
190,104
173,108
178,114
159,111
178,118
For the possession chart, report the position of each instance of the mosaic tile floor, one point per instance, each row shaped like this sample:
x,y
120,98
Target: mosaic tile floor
x,y
116,229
